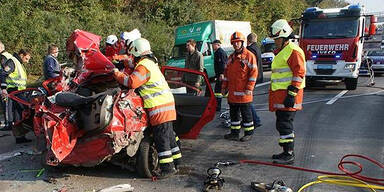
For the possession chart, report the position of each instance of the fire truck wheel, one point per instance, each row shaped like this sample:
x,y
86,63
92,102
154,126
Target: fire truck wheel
x,y
147,160
351,83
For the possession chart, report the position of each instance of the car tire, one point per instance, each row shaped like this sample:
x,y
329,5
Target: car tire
x,y
308,83
147,160
351,83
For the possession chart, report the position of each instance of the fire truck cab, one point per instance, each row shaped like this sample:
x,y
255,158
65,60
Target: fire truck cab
x,y
332,40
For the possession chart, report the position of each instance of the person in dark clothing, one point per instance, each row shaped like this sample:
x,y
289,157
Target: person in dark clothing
x,y
220,60
51,67
195,61
13,77
252,46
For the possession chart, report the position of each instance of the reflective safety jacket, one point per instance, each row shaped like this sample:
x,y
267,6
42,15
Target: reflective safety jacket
x,y
17,78
153,88
240,74
288,68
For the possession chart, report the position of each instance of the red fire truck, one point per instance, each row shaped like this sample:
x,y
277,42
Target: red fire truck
x,y
332,40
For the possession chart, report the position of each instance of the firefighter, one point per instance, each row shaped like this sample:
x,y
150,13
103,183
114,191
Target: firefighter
x,y
286,89
111,47
239,80
158,103
13,78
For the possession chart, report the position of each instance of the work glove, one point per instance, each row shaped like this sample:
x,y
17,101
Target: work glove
x,y
289,100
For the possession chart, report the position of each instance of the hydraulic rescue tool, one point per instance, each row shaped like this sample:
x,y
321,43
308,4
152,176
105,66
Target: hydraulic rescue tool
x,y
213,180
275,186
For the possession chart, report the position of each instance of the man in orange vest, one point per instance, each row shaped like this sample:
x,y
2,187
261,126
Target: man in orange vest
x,y
286,90
239,80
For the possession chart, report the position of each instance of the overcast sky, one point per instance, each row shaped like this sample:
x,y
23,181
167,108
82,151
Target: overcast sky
x,y
370,5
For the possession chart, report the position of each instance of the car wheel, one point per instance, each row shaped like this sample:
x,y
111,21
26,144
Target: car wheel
x,y
351,83
147,160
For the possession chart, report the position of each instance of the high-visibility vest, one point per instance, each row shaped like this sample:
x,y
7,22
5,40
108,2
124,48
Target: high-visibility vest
x,y
18,78
155,91
7,55
282,75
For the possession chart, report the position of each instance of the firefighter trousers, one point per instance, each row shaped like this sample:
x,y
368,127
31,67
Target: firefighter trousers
x,y
235,109
166,145
284,125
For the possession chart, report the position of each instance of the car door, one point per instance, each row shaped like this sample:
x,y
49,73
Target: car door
x,y
195,106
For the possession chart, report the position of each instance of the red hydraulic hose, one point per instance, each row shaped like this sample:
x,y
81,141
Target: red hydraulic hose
x,y
341,164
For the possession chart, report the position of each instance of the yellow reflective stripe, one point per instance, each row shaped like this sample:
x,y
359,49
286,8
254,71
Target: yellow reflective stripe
x,y
177,138
249,128
177,156
285,140
292,93
235,127
166,160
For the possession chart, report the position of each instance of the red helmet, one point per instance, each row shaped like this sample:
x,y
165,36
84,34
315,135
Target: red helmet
x,y
237,36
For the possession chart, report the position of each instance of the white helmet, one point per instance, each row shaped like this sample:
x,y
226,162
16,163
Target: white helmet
x,y
140,47
280,29
131,36
124,35
111,39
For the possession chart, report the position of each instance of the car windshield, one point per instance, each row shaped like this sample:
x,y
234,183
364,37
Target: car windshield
x,y
269,47
330,28
180,51
376,53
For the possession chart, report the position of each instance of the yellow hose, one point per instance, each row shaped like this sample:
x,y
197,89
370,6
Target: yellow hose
x,y
343,181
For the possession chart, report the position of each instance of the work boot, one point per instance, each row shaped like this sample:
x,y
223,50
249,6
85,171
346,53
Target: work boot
x,y
284,158
177,163
247,136
166,170
6,128
22,139
232,136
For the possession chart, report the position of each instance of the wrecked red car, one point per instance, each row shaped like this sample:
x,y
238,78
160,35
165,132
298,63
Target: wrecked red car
x,y
84,118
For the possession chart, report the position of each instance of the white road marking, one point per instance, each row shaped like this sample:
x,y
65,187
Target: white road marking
x,y
262,84
11,154
338,96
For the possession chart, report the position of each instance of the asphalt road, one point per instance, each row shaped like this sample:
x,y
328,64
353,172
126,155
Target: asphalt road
x,y
324,132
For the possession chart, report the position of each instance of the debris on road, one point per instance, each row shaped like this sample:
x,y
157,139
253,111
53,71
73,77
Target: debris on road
x,y
118,188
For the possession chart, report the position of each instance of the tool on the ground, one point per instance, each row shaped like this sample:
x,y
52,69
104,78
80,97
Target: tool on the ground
x,y
275,186
213,180
39,171
347,178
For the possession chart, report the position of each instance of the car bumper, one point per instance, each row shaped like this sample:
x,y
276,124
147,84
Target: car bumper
x,y
331,70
